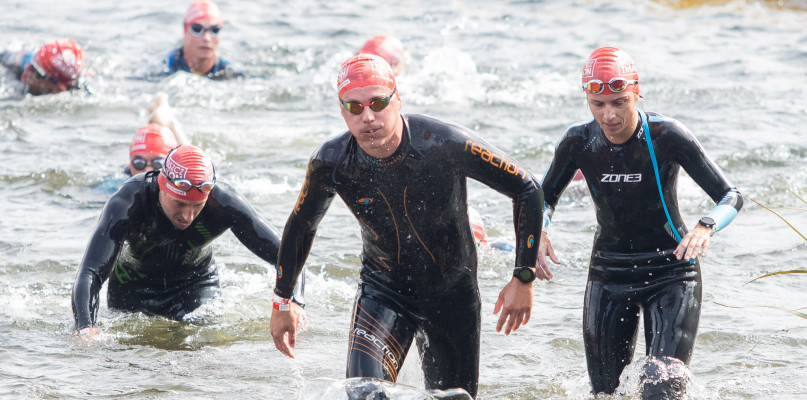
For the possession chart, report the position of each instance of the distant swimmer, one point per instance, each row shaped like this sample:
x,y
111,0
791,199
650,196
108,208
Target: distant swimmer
x,y
53,67
202,29
404,179
644,259
150,144
390,49
154,240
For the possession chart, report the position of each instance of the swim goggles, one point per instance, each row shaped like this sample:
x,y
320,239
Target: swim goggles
x,y
375,105
140,163
185,185
596,86
198,30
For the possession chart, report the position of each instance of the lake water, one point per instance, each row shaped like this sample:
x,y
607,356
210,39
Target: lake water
x,y
732,71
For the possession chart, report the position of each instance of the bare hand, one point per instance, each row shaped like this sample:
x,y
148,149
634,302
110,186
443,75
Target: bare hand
x,y
283,326
696,240
515,303
545,249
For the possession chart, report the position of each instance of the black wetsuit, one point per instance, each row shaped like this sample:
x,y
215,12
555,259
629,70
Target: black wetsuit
x,y
632,263
154,267
418,273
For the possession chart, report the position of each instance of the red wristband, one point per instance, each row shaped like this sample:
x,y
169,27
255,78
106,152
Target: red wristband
x,y
280,304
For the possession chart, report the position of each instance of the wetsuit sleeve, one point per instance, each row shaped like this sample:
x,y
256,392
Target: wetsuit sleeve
x,y
558,176
494,168
249,227
692,157
298,235
99,259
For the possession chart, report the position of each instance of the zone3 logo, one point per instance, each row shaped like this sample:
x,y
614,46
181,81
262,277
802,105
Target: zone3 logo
x,y
611,178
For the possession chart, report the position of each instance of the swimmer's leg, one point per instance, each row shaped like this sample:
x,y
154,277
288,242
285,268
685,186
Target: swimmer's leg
x,y
448,343
610,324
380,337
671,324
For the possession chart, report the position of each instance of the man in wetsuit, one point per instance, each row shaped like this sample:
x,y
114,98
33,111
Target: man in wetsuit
x,y
154,241
199,52
51,68
404,179
640,264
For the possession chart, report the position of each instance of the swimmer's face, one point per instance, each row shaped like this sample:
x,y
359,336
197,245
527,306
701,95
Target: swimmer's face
x,y
37,85
181,213
149,161
204,46
616,114
378,133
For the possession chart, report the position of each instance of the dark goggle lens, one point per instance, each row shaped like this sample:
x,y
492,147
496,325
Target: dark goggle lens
x,y
379,105
138,163
354,108
618,84
199,30
157,163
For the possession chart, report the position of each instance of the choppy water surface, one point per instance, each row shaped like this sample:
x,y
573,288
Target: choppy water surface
x,y
733,71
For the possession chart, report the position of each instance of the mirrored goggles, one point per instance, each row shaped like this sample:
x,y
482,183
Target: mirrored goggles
x,y
596,86
140,163
185,185
198,30
375,105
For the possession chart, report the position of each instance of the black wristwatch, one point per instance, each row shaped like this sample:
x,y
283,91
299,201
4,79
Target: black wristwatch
x,y
524,274
707,222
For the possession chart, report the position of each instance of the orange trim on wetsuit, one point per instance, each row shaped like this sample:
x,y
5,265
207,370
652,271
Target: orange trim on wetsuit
x,y
430,167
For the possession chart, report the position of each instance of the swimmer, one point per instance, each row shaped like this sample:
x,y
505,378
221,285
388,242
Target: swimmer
x,y
53,67
202,30
403,176
150,144
153,241
644,259
390,49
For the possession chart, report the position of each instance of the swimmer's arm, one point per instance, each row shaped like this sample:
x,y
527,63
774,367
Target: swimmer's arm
x,y
99,257
696,242
298,235
95,268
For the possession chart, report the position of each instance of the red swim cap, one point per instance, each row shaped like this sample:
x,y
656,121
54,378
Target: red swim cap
x,y
187,162
202,10
607,63
364,70
62,59
153,139
386,47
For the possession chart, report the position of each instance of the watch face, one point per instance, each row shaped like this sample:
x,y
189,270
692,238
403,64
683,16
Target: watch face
x,y
525,274
707,222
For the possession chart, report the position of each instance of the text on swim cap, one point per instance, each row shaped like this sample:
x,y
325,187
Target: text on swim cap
x,y
494,159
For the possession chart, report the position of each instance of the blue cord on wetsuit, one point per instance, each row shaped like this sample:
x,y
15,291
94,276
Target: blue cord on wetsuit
x,y
658,179
655,169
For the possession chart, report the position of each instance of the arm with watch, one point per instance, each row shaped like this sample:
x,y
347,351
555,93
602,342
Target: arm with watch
x,y
696,242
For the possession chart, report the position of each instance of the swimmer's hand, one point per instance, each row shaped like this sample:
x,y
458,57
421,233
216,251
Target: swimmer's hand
x,y
283,327
515,303
302,320
694,243
545,250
